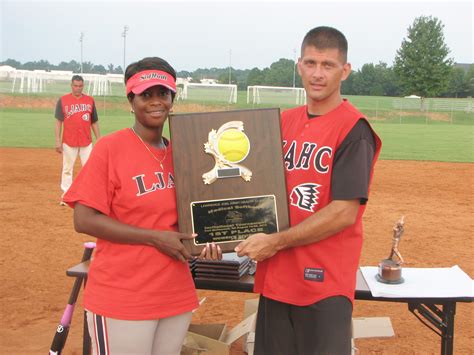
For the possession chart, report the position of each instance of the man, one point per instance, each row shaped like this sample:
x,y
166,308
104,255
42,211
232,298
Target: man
x,y
306,274
78,114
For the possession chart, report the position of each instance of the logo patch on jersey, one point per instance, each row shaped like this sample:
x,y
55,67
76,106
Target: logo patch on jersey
x,y
85,117
305,196
314,274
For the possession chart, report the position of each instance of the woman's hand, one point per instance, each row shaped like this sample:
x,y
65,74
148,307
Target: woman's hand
x,y
170,243
211,252
90,221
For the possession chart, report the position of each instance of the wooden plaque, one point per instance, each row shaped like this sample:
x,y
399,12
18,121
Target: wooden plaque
x,y
229,175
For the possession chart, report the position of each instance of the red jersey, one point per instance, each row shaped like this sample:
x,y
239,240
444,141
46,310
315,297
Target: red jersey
x,y
78,113
123,181
307,274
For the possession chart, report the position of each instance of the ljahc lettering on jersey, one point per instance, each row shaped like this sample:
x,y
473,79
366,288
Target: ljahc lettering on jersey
x,y
309,156
147,184
71,110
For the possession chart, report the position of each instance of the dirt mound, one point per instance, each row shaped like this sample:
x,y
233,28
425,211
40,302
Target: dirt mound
x,y
9,101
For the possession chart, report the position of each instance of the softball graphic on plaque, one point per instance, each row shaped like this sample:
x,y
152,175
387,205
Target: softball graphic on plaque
x,y
229,175
229,145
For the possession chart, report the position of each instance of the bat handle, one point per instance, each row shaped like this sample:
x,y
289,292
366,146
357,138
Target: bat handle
x,y
88,249
89,245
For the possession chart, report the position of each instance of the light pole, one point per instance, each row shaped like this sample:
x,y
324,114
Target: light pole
x,y
124,35
81,39
230,65
294,67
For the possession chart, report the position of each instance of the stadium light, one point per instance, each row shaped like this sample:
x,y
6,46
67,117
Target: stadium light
x,y
124,35
81,39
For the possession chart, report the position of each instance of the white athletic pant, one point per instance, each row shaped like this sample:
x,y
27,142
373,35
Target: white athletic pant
x,y
111,336
69,158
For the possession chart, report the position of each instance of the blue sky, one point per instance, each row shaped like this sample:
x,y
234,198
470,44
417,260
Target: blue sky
x,y
204,34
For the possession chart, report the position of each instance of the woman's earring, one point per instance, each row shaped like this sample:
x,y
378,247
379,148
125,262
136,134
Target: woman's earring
x,y
131,110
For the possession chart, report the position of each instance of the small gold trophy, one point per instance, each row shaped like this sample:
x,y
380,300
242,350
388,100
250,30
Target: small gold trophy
x,y
390,269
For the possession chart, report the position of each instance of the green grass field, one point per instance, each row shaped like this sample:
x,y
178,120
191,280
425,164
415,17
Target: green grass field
x,y
448,143
409,138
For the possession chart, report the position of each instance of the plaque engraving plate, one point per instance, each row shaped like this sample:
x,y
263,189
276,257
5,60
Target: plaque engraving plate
x,y
232,220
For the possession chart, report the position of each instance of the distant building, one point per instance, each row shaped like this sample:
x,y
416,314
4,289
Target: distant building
x,y
6,71
189,79
463,66
183,81
208,81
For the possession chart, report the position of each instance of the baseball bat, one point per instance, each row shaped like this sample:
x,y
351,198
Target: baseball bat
x,y
62,330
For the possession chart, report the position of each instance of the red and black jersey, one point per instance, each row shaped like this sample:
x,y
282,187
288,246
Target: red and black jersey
x,y
122,180
306,274
77,114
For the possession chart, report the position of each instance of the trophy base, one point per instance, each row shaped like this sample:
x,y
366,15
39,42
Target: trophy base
x,y
390,272
390,282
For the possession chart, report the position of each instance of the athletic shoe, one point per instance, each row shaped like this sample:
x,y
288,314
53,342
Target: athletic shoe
x,y
62,203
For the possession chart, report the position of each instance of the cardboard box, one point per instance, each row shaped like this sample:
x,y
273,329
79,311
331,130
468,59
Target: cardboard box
x,y
372,327
248,343
214,339
250,306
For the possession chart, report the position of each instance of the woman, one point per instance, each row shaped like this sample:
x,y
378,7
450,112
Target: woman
x,y
140,292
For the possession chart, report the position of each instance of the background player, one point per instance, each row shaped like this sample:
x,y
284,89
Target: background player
x,y
77,113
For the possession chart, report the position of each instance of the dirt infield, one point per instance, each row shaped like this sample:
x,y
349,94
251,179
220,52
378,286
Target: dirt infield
x,y
39,244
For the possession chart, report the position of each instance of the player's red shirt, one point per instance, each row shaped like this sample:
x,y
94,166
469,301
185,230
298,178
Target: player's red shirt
x,y
304,275
123,181
78,113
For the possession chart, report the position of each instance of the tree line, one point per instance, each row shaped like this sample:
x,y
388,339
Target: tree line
x,y
422,67
75,67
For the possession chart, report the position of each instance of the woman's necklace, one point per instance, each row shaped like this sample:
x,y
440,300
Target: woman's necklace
x,y
153,155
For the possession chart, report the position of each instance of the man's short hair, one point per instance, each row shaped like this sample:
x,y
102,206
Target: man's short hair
x,y
324,37
77,78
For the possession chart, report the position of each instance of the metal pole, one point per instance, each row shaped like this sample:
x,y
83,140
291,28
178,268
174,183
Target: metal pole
x,y
230,65
294,67
124,35
81,39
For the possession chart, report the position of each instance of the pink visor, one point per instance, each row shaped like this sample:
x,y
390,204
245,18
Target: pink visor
x,y
148,78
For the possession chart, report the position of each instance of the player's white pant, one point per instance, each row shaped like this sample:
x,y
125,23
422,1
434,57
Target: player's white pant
x,y
111,336
69,158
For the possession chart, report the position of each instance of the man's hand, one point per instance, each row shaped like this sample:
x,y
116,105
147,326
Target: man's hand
x,y
258,247
59,148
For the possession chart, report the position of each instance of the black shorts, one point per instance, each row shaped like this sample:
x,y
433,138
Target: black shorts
x,y
324,327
